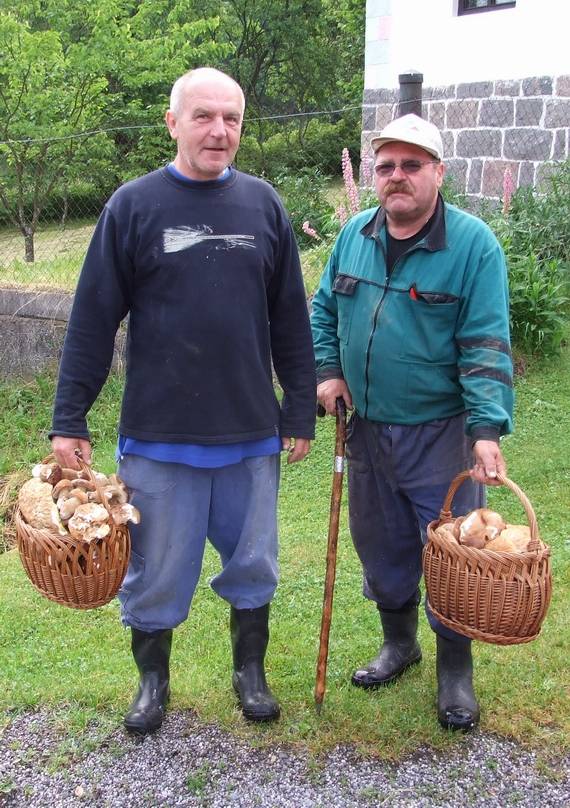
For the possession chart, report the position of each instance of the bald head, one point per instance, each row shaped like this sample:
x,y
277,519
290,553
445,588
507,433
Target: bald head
x,y
205,118
195,79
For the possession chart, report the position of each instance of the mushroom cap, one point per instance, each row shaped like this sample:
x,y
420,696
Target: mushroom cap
x,y
60,487
501,545
477,540
90,521
456,526
67,506
115,495
519,535
446,532
37,506
74,474
481,523
47,472
125,513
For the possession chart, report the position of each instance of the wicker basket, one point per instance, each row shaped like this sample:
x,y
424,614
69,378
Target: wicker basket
x,y
500,598
71,572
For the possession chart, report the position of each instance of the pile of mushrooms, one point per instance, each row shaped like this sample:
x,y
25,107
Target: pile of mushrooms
x,y
68,501
485,529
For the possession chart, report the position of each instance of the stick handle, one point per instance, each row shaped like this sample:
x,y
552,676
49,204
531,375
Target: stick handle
x,y
336,497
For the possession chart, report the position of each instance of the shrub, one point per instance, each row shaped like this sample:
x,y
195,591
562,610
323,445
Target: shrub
x,y
452,192
304,195
536,294
291,149
539,223
534,230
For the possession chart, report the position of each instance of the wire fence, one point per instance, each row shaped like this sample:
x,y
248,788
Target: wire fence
x,y
50,200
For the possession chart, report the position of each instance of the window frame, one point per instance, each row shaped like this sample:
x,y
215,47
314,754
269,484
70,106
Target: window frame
x,y
463,12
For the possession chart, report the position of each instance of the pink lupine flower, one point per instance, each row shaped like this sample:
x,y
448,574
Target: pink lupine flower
x,y
349,183
508,190
310,231
342,215
366,169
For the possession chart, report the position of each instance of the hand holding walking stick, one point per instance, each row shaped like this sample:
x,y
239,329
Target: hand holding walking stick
x,y
336,497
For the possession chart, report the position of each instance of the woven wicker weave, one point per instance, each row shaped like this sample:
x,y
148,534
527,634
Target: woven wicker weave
x,y
71,572
500,598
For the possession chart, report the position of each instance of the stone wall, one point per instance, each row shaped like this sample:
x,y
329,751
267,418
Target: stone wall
x,y
32,329
487,127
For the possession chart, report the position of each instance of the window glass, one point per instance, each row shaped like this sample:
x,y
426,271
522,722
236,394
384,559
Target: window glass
x,y
467,6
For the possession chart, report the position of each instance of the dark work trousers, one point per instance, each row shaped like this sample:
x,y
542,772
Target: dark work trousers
x,y
398,477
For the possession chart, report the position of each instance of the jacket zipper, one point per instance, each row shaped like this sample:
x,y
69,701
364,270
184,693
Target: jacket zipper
x,y
387,278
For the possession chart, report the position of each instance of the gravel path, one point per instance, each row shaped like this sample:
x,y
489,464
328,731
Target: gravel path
x,y
191,764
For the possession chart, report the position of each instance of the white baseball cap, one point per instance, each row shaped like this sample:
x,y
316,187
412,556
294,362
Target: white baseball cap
x,y
411,129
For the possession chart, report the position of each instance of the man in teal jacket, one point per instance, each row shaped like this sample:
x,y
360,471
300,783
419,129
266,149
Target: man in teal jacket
x,y
411,328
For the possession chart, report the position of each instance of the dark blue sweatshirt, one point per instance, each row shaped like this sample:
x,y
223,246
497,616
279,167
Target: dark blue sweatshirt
x,y
211,281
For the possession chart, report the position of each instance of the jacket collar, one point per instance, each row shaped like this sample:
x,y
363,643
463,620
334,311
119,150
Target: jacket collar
x,y
433,241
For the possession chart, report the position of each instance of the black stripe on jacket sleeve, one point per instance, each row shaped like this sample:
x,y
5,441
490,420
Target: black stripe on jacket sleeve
x,y
489,373
485,342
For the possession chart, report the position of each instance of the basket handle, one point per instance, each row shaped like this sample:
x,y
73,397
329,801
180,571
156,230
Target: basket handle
x,y
92,478
445,513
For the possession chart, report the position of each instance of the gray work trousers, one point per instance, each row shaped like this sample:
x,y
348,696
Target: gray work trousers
x,y
398,476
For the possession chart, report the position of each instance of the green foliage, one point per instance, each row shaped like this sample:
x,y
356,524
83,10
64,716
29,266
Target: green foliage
x,y
84,86
313,261
290,149
452,193
535,234
538,220
536,299
305,199
67,68
289,57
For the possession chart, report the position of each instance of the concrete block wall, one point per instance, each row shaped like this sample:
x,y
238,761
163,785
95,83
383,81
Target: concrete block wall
x,y
32,330
487,127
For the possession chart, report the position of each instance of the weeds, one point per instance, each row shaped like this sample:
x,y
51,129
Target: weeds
x,y
197,780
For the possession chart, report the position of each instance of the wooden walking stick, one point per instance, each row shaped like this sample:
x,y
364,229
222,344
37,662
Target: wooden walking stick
x,y
336,497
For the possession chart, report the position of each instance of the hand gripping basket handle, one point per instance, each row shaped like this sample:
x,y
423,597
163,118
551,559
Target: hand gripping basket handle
x,y
445,514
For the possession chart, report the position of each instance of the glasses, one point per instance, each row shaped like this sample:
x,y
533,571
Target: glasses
x,y
407,166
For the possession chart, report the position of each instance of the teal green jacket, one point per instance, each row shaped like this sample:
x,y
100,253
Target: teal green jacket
x,y
430,341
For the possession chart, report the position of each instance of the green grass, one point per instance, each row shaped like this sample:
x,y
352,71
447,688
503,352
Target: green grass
x,y
58,251
313,261
78,663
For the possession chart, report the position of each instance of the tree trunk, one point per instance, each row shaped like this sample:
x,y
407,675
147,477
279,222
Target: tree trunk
x,y
65,209
29,245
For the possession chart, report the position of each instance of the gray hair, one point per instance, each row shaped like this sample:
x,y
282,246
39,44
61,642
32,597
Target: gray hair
x,y
181,85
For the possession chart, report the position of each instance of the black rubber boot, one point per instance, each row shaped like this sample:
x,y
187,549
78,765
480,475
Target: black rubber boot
x,y
457,707
152,654
399,650
250,635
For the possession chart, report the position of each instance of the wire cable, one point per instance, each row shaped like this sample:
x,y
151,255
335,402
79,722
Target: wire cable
x,y
92,132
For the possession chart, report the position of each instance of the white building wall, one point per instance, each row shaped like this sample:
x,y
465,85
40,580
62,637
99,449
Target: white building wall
x,y
427,36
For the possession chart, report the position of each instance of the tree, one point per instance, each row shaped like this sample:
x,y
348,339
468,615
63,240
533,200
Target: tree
x,y
293,56
67,68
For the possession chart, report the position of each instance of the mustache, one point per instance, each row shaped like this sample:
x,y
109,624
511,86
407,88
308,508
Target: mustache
x,y
397,187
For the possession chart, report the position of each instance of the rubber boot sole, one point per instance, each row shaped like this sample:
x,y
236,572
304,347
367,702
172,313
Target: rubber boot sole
x,y
458,720
137,728
374,684
252,715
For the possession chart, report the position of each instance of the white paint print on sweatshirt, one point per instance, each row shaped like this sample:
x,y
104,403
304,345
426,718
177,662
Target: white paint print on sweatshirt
x,y
176,239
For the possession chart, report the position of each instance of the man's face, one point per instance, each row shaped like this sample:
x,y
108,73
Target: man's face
x,y
408,198
207,128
